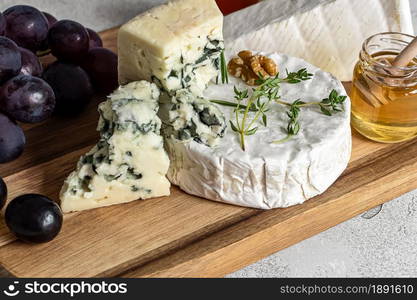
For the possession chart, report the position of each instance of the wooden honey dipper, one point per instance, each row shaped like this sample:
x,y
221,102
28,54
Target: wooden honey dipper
x,y
407,55
402,60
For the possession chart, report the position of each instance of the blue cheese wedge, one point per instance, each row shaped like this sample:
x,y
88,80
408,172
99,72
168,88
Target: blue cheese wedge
x,y
190,117
129,161
176,45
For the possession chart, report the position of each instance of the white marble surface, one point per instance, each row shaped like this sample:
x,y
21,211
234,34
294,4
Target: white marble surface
x,y
382,246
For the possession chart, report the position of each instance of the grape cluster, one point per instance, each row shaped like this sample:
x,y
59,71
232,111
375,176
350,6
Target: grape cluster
x,y
31,94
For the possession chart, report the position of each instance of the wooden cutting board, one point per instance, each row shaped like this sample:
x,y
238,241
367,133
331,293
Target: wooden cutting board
x,y
180,235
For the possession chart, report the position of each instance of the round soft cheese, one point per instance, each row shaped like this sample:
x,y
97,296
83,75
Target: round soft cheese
x,y
268,175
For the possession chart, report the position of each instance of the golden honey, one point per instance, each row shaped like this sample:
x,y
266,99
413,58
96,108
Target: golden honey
x,y
384,98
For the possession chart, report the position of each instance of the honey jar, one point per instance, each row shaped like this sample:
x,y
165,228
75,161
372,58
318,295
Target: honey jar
x,y
384,98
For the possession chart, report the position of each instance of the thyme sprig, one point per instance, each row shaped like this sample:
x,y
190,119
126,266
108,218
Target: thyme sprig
x,y
297,77
232,104
258,102
223,68
328,106
332,103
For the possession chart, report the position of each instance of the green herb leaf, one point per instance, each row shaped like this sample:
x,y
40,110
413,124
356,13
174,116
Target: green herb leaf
x,y
251,131
232,104
240,95
293,127
234,128
296,77
264,120
328,106
223,69
259,101
334,103
325,111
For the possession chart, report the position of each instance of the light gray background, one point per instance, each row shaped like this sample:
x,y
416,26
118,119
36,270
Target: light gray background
x,y
383,246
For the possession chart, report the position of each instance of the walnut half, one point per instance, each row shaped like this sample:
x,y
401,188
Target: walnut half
x,y
250,67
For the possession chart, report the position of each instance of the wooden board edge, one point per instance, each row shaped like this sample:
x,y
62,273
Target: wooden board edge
x,y
221,254
155,253
174,246
384,169
257,237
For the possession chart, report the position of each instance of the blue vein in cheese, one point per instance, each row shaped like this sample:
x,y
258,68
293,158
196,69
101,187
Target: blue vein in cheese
x,y
176,45
129,161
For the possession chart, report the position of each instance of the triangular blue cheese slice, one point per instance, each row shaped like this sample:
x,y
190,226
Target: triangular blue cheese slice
x,y
129,161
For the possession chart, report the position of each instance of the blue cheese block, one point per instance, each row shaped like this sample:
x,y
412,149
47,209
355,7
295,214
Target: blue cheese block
x,y
176,45
129,161
192,118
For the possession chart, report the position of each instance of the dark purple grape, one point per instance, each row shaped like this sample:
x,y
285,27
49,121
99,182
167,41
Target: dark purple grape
x,y
95,39
30,63
27,98
3,193
27,26
68,40
51,19
44,48
2,24
101,65
72,87
10,59
34,218
12,139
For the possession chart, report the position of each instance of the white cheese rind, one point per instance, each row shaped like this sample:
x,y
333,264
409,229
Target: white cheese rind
x,y
176,45
326,33
129,161
269,175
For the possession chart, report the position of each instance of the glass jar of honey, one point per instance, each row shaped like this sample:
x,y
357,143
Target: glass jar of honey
x,y
384,98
